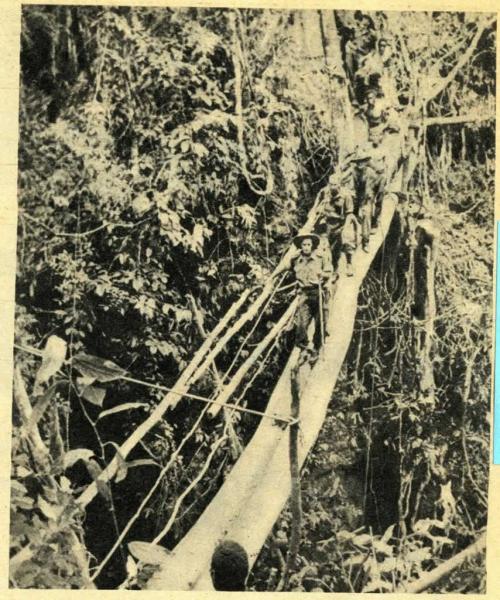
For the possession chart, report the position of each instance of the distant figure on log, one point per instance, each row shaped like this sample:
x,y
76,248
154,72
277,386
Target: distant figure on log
x,y
361,43
229,567
350,240
341,204
380,118
374,72
369,184
321,230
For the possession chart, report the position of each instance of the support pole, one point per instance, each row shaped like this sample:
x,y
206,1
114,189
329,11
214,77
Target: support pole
x,y
296,498
321,315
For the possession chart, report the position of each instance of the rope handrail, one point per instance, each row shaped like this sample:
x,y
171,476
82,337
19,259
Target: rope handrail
x,y
163,388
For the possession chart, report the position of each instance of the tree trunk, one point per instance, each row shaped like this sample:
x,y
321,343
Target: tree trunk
x,y
252,497
427,237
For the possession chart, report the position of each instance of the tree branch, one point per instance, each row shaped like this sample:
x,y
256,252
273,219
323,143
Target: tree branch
x,y
41,452
439,86
238,109
215,408
295,498
237,378
432,577
456,119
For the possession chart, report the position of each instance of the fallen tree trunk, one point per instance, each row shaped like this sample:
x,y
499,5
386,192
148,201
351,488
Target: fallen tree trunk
x,y
444,569
458,119
255,492
202,360
228,390
258,303
236,447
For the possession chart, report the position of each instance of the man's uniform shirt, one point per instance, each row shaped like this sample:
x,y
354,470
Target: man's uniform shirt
x,y
314,269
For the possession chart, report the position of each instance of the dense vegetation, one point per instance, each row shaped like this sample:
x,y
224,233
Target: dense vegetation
x,y
166,158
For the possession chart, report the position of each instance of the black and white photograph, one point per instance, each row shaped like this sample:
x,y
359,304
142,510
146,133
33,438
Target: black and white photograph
x,y
253,340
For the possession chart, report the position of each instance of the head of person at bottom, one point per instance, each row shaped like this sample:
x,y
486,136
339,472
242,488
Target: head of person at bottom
x,y
229,567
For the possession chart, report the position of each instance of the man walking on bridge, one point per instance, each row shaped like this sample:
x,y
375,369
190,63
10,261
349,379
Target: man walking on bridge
x,y
313,271
368,183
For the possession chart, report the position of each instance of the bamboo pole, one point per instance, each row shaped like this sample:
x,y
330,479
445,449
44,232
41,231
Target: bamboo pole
x,y
235,381
180,387
295,499
213,410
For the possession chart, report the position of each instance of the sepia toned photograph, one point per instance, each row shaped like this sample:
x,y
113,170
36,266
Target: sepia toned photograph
x,y
254,300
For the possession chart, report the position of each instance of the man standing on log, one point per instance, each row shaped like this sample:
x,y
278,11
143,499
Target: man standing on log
x,y
350,240
380,116
313,272
374,72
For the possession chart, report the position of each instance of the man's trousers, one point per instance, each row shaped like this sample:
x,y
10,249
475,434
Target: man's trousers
x,y
308,309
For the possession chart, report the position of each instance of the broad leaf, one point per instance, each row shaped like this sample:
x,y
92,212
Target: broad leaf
x,y
355,560
389,565
94,395
72,456
93,468
131,567
122,469
151,554
98,368
388,534
418,556
382,548
378,585
362,540
50,511
142,462
41,406
123,466
121,408
83,382
103,489
53,357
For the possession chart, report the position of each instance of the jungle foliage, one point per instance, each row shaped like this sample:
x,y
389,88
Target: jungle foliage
x,y
166,159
